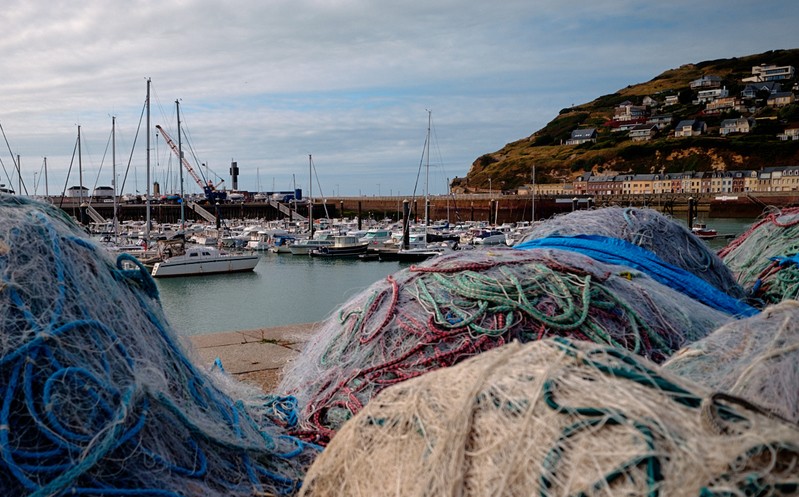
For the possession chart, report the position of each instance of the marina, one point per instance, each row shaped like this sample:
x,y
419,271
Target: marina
x,y
288,289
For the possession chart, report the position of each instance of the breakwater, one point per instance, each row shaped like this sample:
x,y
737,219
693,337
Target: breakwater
x,y
456,208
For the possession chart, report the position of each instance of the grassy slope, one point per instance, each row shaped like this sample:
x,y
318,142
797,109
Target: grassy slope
x,y
512,166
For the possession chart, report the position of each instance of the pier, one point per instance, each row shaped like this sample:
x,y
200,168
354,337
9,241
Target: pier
x,y
494,209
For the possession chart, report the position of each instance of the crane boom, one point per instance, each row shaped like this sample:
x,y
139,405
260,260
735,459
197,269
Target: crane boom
x,y
209,189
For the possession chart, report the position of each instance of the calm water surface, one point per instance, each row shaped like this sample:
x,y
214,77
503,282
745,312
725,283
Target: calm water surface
x,y
288,289
283,289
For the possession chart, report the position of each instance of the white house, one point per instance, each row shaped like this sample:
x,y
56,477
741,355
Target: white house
x,y
740,125
690,127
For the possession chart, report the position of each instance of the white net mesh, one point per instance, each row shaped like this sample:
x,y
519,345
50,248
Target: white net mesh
x,y
551,418
764,258
755,358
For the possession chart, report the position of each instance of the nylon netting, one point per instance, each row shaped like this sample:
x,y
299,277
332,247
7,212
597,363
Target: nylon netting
x,y
98,395
557,417
755,358
460,305
649,229
764,259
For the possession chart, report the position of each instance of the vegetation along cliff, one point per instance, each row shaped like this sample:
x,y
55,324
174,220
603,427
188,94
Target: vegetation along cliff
x,y
727,114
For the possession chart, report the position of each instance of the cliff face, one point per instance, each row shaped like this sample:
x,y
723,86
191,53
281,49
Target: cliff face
x,y
669,94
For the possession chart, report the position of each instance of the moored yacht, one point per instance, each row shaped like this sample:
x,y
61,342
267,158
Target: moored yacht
x,y
204,260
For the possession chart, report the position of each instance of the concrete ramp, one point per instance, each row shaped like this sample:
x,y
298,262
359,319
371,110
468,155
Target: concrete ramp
x,y
201,212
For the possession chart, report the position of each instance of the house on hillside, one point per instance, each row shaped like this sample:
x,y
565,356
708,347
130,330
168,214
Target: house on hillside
x,y
705,96
643,132
708,81
771,72
671,100
650,102
781,99
740,125
626,111
662,121
690,127
580,136
751,90
728,103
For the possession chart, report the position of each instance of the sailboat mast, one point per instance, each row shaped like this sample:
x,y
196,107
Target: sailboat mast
x,y
80,172
147,189
46,190
310,193
114,172
532,216
427,177
180,164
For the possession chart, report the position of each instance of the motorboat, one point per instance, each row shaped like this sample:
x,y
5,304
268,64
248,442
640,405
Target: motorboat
x,y
414,254
321,239
489,237
377,238
204,260
282,244
701,230
264,239
343,246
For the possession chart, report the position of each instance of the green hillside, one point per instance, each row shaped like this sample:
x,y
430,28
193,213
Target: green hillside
x,y
615,153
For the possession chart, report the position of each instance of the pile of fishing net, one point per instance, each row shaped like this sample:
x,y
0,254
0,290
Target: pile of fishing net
x,y
99,398
457,306
557,417
765,258
755,358
648,229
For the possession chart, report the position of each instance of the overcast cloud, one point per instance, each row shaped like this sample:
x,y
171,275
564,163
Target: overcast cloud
x,y
268,82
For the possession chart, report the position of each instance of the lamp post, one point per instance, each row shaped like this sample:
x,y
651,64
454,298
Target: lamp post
x,y
489,186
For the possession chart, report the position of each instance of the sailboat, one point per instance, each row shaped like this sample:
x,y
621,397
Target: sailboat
x,y
424,250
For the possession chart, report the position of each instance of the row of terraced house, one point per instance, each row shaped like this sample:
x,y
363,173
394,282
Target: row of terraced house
x,y
770,179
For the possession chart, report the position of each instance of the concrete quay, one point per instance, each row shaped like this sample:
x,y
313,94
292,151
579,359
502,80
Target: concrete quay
x,y
253,356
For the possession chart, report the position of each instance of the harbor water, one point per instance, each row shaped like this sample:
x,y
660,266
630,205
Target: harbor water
x,y
283,289
288,289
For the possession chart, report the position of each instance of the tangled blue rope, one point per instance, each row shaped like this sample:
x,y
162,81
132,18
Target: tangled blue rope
x,y
97,395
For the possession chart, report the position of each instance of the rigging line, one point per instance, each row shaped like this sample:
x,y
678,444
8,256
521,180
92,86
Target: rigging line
x,y
100,169
421,163
15,163
316,175
5,171
69,171
133,147
198,165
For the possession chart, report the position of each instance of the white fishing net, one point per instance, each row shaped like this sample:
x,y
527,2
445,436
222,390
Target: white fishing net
x,y
755,358
765,259
556,418
99,397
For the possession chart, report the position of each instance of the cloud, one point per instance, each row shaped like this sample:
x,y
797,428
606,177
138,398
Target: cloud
x,y
349,81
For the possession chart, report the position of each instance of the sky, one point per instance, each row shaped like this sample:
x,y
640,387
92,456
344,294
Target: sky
x,y
330,96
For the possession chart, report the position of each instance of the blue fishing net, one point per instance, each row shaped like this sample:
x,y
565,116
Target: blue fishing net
x,y
98,397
